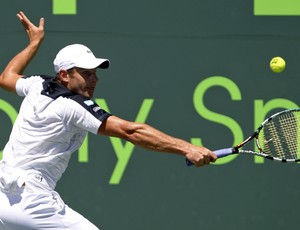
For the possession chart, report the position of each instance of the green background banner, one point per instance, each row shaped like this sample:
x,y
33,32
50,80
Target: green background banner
x,y
277,7
198,70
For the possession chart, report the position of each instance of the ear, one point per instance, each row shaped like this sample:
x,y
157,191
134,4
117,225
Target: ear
x,y
63,76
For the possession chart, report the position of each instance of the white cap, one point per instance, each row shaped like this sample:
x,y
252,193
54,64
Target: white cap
x,y
80,56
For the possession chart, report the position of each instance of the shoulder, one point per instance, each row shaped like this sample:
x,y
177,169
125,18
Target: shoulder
x,y
76,104
90,106
26,83
81,112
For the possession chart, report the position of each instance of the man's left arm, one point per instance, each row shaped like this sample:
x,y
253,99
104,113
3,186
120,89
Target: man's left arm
x,y
17,65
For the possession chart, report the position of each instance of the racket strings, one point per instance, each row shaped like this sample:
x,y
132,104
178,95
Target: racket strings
x,y
291,136
279,136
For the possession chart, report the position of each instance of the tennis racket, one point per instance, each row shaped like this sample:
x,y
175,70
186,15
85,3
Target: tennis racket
x,y
277,138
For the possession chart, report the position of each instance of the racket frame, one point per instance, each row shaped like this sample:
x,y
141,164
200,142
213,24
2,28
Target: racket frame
x,y
237,148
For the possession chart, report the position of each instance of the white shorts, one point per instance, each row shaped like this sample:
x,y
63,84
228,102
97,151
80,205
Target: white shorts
x,y
34,206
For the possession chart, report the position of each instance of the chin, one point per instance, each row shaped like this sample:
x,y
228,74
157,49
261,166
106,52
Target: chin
x,y
90,96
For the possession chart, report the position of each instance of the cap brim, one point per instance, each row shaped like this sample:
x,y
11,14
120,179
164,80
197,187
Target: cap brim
x,y
104,64
96,63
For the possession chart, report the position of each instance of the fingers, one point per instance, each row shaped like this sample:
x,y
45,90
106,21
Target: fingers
x,y
19,16
42,23
202,162
213,157
23,18
202,158
35,34
27,23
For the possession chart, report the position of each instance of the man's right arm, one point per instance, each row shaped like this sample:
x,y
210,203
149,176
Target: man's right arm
x,y
146,136
17,65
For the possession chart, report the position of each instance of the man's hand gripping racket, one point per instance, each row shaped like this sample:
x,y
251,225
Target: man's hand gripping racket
x,y
277,138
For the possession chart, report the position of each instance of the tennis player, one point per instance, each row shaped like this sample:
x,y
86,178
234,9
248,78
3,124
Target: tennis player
x,y
54,117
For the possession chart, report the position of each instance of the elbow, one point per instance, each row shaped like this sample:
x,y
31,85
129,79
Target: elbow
x,y
8,82
1,80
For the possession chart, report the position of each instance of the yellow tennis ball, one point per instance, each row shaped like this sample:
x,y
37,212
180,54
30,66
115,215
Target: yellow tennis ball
x,y
277,64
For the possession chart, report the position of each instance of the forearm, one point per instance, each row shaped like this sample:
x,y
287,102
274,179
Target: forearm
x,y
16,66
22,59
150,138
142,135
153,139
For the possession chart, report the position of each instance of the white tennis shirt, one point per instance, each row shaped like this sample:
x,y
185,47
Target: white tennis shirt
x,y
52,124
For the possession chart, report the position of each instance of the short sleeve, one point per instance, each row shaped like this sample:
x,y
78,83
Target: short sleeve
x,y
24,84
84,113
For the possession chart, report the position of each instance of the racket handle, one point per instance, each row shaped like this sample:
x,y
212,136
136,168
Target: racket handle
x,y
224,152
220,153
188,162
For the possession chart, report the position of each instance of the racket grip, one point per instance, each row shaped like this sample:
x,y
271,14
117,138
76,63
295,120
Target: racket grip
x,y
188,162
224,152
220,153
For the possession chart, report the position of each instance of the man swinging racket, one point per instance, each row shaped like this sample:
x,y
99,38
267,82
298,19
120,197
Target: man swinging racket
x,y
54,117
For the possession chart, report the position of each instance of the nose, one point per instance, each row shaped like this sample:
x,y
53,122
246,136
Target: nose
x,y
94,78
